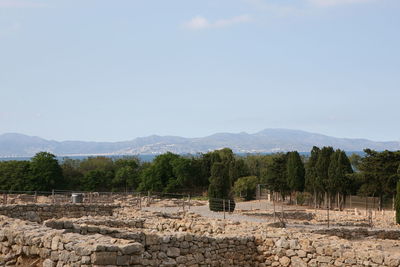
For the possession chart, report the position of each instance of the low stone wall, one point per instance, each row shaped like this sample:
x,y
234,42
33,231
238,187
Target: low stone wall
x,y
69,223
42,212
357,233
115,247
58,248
318,250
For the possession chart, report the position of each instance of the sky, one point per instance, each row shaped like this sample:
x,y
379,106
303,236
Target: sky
x,y
103,70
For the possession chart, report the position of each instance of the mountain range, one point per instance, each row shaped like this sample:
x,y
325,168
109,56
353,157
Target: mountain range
x,y
265,141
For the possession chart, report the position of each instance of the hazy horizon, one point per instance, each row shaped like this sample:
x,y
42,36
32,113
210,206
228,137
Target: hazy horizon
x,y
189,137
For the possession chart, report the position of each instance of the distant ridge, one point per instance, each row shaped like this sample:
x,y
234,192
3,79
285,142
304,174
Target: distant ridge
x,y
268,140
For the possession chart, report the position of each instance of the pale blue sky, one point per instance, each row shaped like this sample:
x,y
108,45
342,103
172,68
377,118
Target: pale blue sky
x,y
116,70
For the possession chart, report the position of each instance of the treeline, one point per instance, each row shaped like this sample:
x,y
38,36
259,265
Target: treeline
x,y
326,175
166,173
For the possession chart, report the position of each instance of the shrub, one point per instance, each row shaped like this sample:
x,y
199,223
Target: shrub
x,y
246,187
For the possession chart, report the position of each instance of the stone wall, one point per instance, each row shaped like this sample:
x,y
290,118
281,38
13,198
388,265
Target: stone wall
x,y
59,248
358,233
102,245
41,212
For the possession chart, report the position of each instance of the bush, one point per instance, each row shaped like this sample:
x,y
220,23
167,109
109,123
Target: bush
x,y
302,197
246,187
217,204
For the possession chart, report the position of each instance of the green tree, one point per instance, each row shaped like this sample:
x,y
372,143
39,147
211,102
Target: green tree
x,y
355,160
378,173
246,187
72,175
276,176
97,180
311,177
295,172
159,174
322,169
46,173
127,178
219,189
15,175
97,163
339,178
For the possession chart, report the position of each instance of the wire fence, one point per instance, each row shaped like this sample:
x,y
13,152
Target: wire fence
x,y
359,211
63,196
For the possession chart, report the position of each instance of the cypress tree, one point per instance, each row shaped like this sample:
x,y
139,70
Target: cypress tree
x,y
397,201
332,181
338,181
276,175
295,172
219,189
311,173
322,168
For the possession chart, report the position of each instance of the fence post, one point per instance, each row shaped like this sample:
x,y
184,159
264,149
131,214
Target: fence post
x,y
35,196
223,206
273,201
140,201
189,202
183,204
328,215
52,196
148,198
229,206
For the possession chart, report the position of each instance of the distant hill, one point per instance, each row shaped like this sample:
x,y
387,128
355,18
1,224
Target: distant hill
x,y
268,140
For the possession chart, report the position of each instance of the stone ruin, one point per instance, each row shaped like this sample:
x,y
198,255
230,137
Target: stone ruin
x,y
69,235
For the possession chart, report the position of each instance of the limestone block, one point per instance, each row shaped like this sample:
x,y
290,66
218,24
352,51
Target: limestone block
x,y
104,258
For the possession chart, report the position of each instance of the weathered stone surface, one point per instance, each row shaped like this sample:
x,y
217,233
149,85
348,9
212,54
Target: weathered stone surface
x,y
173,252
48,263
133,248
104,258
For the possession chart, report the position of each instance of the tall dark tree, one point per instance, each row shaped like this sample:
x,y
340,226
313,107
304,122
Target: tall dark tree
x,y
276,177
157,176
397,200
322,167
72,175
125,178
295,172
379,173
246,187
46,172
97,180
219,189
15,175
397,203
339,171
311,176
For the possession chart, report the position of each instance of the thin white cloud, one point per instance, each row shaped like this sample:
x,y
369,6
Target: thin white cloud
x,y
20,4
331,3
200,22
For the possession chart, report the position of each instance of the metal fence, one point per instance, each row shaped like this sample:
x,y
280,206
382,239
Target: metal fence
x,y
62,196
266,208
